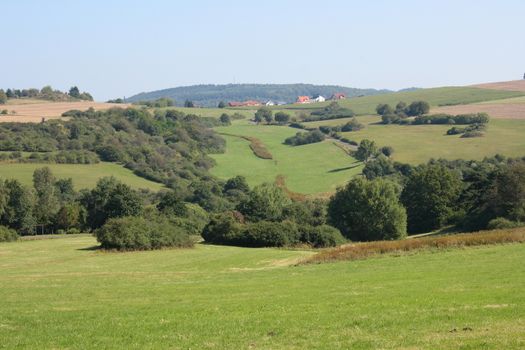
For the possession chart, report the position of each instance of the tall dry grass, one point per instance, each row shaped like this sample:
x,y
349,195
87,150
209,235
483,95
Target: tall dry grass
x,y
364,250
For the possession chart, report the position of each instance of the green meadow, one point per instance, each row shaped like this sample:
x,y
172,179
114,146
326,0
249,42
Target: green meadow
x,y
83,175
63,294
307,169
418,143
441,96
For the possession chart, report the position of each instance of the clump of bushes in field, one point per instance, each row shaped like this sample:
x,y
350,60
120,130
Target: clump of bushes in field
x,y
304,138
370,249
268,218
7,234
474,130
332,111
398,115
352,125
461,119
139,233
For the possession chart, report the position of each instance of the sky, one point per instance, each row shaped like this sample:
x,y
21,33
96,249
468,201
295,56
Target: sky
x,y
114,48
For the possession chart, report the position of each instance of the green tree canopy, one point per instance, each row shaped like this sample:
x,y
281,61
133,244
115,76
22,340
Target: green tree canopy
x,y
430,196
265,202
368,210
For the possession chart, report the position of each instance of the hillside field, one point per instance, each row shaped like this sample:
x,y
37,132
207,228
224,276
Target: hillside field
x,y
83,175
307,169
442,96
416,144
60,293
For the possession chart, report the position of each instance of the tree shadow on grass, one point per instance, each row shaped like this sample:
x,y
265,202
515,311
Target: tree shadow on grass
x,y
92,248
343,169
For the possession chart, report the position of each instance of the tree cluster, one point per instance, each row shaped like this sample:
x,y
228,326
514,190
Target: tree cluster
x,y
46,93
304,138
268,218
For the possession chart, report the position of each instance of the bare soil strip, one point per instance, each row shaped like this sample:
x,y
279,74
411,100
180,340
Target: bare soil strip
x,y
513,85
499,111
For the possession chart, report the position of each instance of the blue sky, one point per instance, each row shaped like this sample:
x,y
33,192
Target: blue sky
x,y
118,48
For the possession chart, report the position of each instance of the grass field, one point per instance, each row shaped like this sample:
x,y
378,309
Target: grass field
x,y
435,96
59,294
214,112
84,176
307,169
418,143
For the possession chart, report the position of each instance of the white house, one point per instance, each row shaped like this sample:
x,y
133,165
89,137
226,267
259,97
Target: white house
x,y
270,103
319,99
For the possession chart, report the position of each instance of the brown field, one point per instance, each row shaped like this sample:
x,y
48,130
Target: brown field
x,y
495,110
34,112
514,85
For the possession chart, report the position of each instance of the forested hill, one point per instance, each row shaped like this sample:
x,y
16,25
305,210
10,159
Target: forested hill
x,y
211,95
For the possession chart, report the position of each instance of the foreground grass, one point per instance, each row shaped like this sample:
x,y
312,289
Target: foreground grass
x,y
307,169
58,294
83,175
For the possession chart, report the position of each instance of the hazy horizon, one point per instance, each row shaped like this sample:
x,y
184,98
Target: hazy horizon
x,y
117,48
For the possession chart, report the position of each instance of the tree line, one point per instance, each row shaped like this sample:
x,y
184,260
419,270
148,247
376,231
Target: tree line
x,y
46,93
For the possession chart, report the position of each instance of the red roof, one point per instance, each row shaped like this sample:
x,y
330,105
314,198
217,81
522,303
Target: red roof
x,y
338,96
302,99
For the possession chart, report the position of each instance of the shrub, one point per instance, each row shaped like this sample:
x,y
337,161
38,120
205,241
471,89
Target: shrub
x,y
320,236
7,234
474,133
502,223
353,125
303,138
270,234
296,125
224,228
137,233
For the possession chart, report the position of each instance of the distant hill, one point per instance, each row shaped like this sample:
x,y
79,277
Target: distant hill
x,y
211,95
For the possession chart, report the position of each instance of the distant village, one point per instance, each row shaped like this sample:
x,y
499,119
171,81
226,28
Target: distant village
x,y
300,100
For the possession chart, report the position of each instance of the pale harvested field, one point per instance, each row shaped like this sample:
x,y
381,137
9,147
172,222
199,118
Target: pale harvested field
x,y
34,112
495,110
514,85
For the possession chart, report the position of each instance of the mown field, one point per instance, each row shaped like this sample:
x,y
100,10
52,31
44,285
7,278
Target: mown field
x,y
84,176
59,294
307,169
435,96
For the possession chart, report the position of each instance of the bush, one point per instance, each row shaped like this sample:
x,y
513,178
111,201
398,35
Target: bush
x,y
502,223
224,228
320,236
270,234
137,233
474,133
303,138
7,235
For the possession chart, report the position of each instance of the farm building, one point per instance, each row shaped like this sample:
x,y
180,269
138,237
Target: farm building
x,y
319,99
338,96
303,99
269,103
